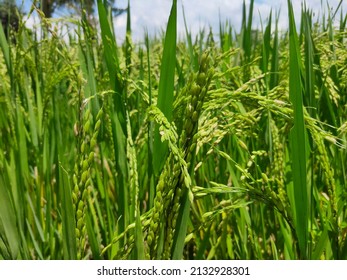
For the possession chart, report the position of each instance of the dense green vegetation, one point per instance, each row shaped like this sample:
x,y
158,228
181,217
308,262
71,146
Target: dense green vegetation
x,y
198,149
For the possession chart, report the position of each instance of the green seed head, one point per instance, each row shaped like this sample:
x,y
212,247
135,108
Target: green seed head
x,y
149,240
74,197
188,127
194,101
87,114
93,142
79,214
91,157
97,125
85,164
86,126
80,223
195,90
201,79
85,194
83,147
84,177
80,205
195,116
100,113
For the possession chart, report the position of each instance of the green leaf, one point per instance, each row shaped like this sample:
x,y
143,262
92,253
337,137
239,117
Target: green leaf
x,y
322,244
181,226
111,57
139,243
68,217
166,86
5,48
92,238
8,229
297,138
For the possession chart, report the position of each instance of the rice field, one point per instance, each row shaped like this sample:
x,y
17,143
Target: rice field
x,y
194,148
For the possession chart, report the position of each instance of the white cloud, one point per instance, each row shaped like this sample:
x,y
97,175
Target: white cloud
x,y
153,14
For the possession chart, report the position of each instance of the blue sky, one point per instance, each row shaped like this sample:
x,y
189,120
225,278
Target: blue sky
x,y
153,14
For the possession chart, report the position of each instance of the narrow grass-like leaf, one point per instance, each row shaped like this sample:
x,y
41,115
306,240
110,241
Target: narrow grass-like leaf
x,y
111,57
193,58
87,65
139,241
297,138
321,245
181,227
166,86
275,58
264,62
5,48
68,217
34,241
119,129
309,60
8,228
36,219
150,132
128,47
92,238
247,30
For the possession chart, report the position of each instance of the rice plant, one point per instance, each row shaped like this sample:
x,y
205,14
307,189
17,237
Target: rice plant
x,y
174,149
